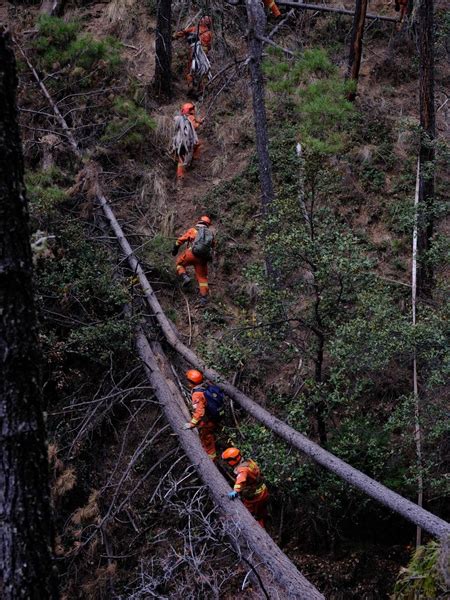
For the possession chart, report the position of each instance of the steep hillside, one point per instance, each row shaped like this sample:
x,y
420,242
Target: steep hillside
x,y
327,345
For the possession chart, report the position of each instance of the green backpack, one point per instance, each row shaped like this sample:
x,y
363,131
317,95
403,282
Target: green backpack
x,y
202,246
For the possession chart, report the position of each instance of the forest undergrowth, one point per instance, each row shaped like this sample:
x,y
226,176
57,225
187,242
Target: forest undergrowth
x,y
328,348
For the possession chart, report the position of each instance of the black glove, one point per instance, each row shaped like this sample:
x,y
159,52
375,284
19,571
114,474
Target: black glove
x,y
175,250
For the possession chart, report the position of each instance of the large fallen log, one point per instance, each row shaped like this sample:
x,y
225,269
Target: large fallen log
x,y
412,512
332,9
277,574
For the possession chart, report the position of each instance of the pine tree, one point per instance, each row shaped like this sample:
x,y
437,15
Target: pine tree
x,y
25,539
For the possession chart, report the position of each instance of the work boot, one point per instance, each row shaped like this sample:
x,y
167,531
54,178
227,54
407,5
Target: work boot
x,y
185,280
203,301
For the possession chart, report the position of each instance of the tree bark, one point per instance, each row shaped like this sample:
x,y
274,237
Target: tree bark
x,y
26,532
279,576
256,29
356,44
427,151
163,66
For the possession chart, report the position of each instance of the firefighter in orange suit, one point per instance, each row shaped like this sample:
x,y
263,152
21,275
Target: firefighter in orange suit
x,y
249,485
204,35
206,426
188,258
188,109
273,7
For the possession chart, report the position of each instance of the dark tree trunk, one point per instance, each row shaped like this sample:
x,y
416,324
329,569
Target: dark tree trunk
x,y
256,29
356,43
163,66
25,535
427,152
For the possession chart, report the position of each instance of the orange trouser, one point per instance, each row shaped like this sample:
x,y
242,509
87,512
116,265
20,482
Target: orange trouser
x,y
206,431
273,7
257,506
181,169
188,259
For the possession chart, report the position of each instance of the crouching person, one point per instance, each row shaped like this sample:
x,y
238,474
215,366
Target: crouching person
x,y
249,484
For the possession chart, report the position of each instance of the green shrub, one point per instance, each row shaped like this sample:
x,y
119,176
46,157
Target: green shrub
x,y
130,126
61,43
423,578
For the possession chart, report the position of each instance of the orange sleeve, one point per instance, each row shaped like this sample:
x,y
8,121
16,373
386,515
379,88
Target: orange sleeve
x,y
199,402
240,480
187,236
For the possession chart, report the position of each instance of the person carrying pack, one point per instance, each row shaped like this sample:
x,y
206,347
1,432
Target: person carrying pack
x,y
197,34
200,242
207,401
185,143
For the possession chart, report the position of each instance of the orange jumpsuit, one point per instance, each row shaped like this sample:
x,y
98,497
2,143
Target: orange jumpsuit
x,y
181,168
205,37
253,491
206,427
273,7
189,259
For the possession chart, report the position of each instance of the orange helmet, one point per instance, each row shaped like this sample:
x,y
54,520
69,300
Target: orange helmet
x,y
232,456
206,20
194,376
205,219
187,108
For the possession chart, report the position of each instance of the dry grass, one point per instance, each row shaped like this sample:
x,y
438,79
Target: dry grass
x,y
122,18
96,587
87,513
64,483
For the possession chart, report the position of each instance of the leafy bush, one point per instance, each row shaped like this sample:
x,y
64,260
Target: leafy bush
x,y
60,44
423,578
131,124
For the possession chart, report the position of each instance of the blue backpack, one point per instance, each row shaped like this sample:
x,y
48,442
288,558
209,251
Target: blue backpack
x,y
214,402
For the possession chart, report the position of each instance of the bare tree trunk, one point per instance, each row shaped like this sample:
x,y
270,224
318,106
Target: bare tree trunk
x,y
256,29
163,66
356,44
417,425
26,532
427,152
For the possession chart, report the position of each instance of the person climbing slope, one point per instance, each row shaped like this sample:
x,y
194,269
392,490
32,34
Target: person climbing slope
x,y
185,143
199,38
273,7
207,401
249,485
200,242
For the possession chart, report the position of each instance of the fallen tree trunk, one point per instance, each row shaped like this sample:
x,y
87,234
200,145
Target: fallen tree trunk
x,y
280,578
331,9
417,515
